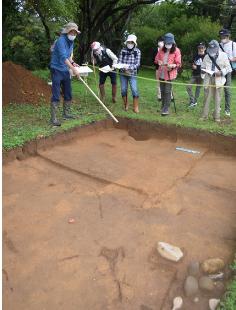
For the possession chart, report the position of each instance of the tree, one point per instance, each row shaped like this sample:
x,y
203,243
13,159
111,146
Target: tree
x,y
104,21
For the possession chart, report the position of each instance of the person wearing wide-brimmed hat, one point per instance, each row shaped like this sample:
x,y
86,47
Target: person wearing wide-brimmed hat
x,y
169,60
130,57
215,67
229,47
61,62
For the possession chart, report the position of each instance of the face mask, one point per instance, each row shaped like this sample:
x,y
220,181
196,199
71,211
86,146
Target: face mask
x,y
224,41
130,46
70,37
168,46
160,44
98,51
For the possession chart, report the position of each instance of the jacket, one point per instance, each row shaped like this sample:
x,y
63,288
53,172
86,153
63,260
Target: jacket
x,y
223,62
173,58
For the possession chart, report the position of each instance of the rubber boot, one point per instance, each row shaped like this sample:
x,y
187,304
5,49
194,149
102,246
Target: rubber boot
x,y
54,121
102,92
66,110
135,105
126,105
114,93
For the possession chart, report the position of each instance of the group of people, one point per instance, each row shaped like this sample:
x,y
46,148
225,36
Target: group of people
x,y
212,67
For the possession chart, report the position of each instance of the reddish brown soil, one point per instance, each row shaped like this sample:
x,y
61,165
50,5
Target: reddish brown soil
x,y
125,196
19,85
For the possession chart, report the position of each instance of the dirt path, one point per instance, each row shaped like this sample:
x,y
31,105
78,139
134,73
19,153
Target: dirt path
x,y
125,196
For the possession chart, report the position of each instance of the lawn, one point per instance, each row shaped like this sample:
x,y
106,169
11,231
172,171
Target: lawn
x,y
23,123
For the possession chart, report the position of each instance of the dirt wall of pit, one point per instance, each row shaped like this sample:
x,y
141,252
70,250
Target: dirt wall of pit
x,y
138,129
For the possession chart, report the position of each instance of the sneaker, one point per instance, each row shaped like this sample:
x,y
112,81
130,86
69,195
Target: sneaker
x,y
165,112
227,113
217,120
192,104
203,119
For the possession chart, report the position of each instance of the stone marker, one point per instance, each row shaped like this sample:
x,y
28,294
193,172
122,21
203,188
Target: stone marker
x,y
177,303
213,265
213,303
169,251
190,286
206,284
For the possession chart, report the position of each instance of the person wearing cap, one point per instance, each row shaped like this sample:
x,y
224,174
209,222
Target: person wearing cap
x,y
169,60
229,47
130,57
215,67
196,74
61,62
104,57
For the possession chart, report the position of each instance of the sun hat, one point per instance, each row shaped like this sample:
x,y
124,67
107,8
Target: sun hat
x,y
70,26
131,38
169,38
95,45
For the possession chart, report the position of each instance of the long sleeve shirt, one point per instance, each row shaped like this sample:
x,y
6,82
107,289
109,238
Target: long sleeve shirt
x,y
132,58
172,58
62,50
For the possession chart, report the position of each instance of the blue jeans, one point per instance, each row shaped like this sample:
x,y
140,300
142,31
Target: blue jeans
x,y
132,80
61,79
103,76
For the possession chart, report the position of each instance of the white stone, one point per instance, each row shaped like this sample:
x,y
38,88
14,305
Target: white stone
x,y
169,251
177,303
213,303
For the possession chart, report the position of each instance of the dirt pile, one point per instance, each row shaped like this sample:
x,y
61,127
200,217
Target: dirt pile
x,y
21,86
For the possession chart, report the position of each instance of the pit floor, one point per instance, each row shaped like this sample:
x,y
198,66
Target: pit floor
x,y
125,196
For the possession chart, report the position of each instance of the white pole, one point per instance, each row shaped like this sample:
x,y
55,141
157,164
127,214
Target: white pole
x,y
98,99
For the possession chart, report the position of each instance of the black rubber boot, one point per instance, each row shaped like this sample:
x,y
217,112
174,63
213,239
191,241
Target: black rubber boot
x,y
66,110
54,121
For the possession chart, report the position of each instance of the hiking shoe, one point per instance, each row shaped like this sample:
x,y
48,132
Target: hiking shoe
x,y
192,104
165,111
55,123
203,119
68,116
227,113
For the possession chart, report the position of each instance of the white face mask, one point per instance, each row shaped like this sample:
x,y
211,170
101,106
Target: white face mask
x,y
160,44
168,46
70,37
130,46
224,41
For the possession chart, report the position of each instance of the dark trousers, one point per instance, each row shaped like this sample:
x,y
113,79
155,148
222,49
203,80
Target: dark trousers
x,y
228,92
103,76
61,79
166,90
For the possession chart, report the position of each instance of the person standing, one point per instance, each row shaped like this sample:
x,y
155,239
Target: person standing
x,y
160,44
196,75
229,47
215,67
130,57
61,62
169,60
104,57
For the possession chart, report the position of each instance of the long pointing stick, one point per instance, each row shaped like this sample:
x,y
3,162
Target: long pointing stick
x,y
98,99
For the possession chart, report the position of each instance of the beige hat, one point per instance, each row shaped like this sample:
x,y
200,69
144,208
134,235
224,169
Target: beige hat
x,y
70,26
132,38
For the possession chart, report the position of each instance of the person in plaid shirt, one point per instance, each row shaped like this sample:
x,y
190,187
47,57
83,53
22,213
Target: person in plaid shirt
x,y
130,56
169,60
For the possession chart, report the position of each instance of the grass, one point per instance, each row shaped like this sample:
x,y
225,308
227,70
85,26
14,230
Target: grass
x,y
229,300
22,123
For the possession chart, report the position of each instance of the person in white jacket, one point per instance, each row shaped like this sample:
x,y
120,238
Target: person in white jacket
x,y
214,68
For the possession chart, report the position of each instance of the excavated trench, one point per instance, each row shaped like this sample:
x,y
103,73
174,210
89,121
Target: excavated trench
x,y
126,187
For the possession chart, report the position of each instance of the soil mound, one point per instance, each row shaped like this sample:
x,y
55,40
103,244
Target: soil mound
x,y
21,86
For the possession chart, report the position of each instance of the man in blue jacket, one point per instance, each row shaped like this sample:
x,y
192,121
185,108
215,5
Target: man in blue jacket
x,y
61,62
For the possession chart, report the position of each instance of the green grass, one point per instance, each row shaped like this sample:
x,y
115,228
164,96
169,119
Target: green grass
x,y
22,123
229,300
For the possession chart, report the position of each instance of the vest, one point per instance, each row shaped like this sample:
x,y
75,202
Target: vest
x,y
106,60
